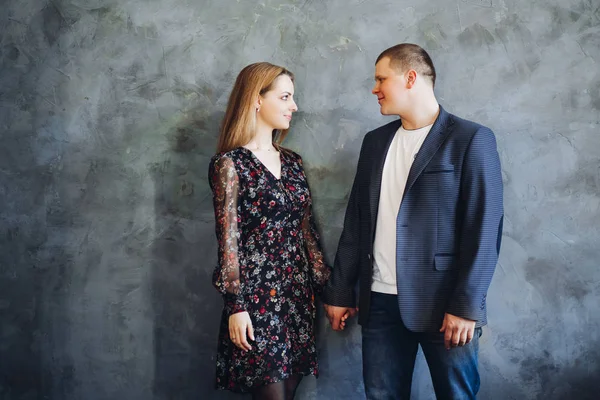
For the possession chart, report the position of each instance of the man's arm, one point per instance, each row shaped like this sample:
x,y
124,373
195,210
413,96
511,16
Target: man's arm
x,y
339,295
340,289
479,243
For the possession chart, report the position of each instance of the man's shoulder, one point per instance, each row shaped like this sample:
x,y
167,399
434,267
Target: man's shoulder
x,y
466,123
467,131
465,126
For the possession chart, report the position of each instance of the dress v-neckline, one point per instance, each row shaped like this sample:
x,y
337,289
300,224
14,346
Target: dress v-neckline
x,y
258,161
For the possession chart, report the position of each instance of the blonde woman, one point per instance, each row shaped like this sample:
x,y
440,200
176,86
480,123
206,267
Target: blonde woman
x,y
270,260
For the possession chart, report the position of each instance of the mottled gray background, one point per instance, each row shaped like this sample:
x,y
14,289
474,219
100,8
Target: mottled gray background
x,y
109,111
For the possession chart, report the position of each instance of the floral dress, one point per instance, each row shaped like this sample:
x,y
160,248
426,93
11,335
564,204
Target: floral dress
x,y
270,265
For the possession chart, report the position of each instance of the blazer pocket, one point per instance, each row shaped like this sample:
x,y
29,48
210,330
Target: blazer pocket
x,y
444,262
438,168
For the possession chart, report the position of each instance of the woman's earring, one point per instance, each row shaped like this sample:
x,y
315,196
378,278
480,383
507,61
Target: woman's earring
x,y
257,109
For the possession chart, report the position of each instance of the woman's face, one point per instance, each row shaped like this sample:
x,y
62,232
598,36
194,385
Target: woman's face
x,y
277,105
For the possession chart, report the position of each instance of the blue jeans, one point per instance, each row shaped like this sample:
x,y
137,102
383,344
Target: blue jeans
x,y
390,349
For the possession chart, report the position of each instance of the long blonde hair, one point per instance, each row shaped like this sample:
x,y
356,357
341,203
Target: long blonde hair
x,y
239,123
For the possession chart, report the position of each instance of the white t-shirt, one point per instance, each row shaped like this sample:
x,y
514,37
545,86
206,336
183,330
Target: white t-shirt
x,y
399,159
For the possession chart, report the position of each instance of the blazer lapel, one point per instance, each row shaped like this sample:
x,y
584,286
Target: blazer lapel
x,y
437,135
379,153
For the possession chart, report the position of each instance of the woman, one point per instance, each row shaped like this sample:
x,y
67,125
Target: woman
x,y
270,260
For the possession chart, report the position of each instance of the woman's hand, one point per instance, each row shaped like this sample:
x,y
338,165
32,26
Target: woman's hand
x,y
239,324
349,314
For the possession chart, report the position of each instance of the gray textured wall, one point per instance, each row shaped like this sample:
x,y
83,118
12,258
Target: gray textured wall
x,y
109,111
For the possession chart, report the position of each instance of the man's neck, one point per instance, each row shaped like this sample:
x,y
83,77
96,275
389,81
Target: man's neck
x,y
423,114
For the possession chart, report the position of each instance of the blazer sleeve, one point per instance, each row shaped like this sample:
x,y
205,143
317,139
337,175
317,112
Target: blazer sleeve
x,y
340,289
481,232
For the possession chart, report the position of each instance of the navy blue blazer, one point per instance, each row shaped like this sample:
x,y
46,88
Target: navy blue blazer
x,y
448,229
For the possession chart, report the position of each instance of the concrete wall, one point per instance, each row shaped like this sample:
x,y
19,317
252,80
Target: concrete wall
x,y
109,111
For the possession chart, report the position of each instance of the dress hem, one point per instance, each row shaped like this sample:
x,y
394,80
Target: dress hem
x,y
246,389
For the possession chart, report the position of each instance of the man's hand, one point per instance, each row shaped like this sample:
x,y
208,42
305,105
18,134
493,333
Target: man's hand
x,y
338,315
458,331
240,324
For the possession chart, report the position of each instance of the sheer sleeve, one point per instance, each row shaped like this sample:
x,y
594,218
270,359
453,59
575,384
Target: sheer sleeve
x,y
224,182
319,270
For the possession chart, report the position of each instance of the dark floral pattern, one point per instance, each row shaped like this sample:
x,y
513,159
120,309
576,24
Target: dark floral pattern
x,y
270,265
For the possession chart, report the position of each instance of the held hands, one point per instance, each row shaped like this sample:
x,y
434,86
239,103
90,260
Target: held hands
x,y
458,331
338,315
240,324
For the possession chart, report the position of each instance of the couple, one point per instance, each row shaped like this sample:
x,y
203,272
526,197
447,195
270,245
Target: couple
x,y
421,237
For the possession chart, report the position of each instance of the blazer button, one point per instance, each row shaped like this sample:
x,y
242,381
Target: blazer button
x,y
369,256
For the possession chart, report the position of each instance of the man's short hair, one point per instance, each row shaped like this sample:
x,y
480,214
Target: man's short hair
x,y
405,56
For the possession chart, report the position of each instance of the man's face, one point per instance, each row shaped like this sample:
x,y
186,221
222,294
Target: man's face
x,y
390,88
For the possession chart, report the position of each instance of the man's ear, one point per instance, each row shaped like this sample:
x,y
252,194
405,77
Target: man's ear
x,y
411,78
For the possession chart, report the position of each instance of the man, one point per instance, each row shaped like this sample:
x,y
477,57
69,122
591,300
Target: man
x,y
421,236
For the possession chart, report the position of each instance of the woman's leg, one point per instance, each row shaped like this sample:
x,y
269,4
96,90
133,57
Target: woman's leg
x,y
272,391
291,384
